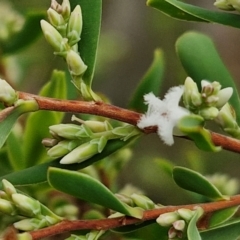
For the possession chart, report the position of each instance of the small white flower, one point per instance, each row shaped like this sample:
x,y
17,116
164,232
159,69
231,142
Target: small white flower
x,y
164,114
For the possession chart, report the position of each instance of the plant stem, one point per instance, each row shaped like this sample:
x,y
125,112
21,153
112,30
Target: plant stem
x,y
105,224
113,112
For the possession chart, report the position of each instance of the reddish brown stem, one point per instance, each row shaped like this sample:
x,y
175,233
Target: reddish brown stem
x,y
113,112
105,224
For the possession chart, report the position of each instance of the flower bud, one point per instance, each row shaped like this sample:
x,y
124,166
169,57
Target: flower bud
x,y
7,207
66,9
167,219
27,206
172,233
55,18
53,37
74,28
8,188
75,63
185,214
143,201
7,94
224,5
209,113
179,225
62,148
223,96
125,199
80,153
30,224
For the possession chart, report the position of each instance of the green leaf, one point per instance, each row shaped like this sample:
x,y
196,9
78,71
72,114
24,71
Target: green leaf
x,y
201,60
196,182
30,31
184,11
151,82
85,187
192,126
37,123
165,165
192,230
229,231
92,13
38,174
221,216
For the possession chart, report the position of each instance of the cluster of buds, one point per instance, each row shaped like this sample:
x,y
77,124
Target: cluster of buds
x,y
34,215
77,143
209,101
228,5
177,221
63,32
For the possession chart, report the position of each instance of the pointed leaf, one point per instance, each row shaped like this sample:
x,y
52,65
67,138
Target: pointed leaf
x,y
229,231
37,123
91,12
183,11
221,216
192,126
30,31
196,182
38,173
165,165
192,230
151,82
201,60
85,187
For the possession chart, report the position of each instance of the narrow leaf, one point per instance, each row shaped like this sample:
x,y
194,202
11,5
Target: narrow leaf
x,y
183,11
196,182
192,230
229,231
151,82
201,60
192,126
38,173
92,13
30,31
221,216
85,187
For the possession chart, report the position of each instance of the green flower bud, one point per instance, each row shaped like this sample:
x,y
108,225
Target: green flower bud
x,y
68,131
66,9
185,214
53,37
207,88
209,113
179,225
55,18
8,188
7,94
143,201
30,224
75,63
24,236
167,219
62,148
80,154
26,205
7,207
74,28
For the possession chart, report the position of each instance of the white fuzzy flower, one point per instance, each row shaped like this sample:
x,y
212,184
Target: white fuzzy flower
x,y
164,114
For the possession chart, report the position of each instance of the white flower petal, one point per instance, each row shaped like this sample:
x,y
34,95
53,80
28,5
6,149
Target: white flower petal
x,y
173,96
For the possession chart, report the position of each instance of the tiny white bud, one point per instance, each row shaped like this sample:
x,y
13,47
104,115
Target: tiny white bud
x,y
167,219
8,188
179,225
55,18
185,214
224,95
7,207
7,94
142,201
209,113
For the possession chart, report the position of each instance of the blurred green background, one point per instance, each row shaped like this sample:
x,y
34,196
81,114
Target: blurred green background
x,y
130,33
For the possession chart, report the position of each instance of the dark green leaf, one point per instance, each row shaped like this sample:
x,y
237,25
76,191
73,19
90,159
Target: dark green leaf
x,y
192,126
92,13
31,30
201,60
192,230
183,11
196,182
151,82
38,174
221,216
228,231
85,187
37,123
